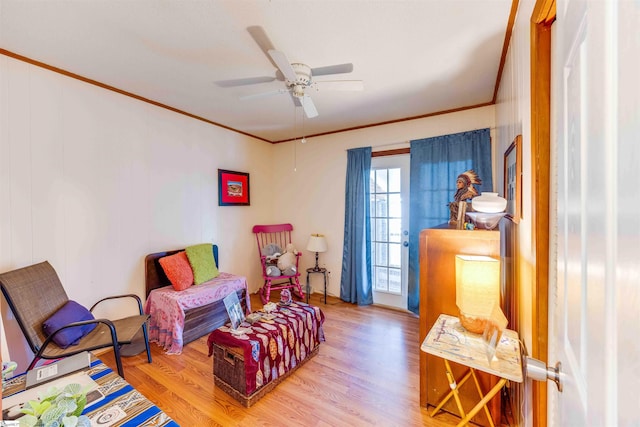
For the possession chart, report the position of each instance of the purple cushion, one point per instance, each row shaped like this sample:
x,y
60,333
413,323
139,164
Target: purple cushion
x,y
69,313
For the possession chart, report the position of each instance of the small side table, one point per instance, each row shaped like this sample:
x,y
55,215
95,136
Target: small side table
x,y
450,341
322,271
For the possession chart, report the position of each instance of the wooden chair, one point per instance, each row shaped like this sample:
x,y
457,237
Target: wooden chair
x,y
34,294
280,234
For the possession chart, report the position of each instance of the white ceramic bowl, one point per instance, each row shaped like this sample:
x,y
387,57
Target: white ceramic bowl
x,y
485,221
489,203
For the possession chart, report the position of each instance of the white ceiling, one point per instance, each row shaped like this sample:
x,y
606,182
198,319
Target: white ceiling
x,y
415,57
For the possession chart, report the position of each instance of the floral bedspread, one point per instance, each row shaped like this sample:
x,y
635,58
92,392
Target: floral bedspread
x,y
166,307
275,346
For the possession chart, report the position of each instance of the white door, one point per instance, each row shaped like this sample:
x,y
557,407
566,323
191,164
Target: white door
x,y
595,317
389,229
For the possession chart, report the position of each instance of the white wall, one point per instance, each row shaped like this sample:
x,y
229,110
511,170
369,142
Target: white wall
x,y
312,196
513,117
92,181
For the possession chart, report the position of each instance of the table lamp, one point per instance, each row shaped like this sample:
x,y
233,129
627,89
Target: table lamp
x,y
317,243
477,290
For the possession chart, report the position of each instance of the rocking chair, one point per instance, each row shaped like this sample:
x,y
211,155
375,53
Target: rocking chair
x,y
280,235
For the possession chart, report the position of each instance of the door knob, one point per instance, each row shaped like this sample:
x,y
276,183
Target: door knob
x,y
537,370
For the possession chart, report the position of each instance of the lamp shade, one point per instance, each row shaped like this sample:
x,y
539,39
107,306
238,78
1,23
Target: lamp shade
x,y
477,290
317,243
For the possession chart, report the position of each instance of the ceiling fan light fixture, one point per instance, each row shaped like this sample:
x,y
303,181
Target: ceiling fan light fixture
x,y
298,77
297,91
302,72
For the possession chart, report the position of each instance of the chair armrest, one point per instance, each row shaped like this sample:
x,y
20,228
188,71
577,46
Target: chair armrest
x,y
107,322
134,296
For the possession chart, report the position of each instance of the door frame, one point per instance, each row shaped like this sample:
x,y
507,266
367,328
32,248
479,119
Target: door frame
x,y
542,17
388,301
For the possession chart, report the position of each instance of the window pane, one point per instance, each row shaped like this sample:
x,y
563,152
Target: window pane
x,y
394,180
394,280
395,206
381,205
381,279
373,254
395,252
381,254
395,230
381,180
381,230
374,276
372,181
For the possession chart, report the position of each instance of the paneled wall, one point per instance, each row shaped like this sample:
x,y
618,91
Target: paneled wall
x,y
92,181
513,117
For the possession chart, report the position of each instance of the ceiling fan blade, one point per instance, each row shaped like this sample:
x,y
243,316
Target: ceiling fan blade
x,y
245,81
264,94
308,106
262,39
283,64
332,69
353,85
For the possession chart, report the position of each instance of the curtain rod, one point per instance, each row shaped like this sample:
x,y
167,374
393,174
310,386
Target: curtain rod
x,y
390,144
409,141
383,145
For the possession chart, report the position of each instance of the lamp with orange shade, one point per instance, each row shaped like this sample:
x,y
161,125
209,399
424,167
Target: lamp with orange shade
x,y
477,290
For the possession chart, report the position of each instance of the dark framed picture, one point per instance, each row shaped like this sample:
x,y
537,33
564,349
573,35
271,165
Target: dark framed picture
x,y
233,188
513,179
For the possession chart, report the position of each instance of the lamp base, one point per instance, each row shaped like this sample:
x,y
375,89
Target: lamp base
x,y
473,324
317,267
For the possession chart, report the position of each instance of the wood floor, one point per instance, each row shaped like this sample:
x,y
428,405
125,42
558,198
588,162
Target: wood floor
x,y
365,374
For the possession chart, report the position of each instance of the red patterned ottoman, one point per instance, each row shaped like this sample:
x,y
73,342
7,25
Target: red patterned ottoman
x,y
248,365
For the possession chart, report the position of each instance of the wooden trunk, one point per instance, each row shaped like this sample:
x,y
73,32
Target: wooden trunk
x,y
229,374
438,247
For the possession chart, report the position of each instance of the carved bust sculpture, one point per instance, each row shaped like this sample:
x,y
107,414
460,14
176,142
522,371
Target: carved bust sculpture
x,y
465,190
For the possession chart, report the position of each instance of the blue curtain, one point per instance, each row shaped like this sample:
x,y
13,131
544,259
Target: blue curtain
x,y
355,285
435,165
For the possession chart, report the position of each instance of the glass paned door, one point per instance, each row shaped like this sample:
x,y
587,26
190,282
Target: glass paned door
x,y
389,185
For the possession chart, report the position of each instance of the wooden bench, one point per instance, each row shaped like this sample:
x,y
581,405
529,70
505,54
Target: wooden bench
x,y
198,321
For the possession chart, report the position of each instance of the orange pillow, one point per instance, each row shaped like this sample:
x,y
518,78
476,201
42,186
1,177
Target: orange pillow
x,y
178,270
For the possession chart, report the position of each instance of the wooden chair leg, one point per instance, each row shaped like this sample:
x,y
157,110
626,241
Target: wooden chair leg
x,y
267,292
262,291
299,288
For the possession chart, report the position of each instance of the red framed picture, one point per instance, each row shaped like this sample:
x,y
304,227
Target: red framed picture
x,y
233,188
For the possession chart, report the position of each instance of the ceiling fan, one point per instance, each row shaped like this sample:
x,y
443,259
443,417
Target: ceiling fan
x,y
298,77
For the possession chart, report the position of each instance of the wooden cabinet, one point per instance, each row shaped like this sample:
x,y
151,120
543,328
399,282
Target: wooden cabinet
x,y
438,247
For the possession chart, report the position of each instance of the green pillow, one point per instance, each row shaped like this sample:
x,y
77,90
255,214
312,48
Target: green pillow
x,y
202,262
